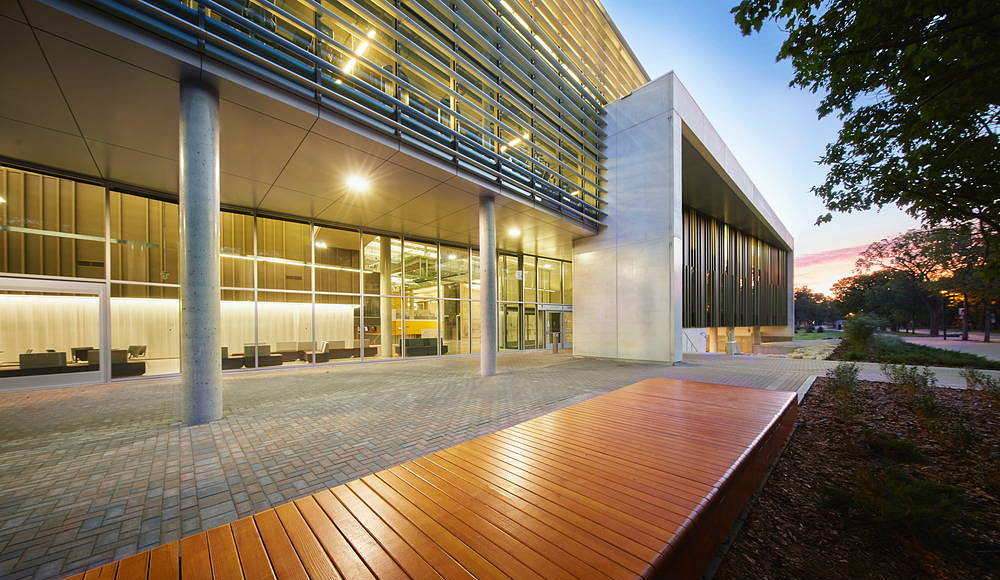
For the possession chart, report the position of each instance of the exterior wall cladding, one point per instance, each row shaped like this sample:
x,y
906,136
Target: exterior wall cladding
x,y
470,81
731,278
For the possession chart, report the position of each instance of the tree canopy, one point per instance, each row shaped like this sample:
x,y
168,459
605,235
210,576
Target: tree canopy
x,y
917,86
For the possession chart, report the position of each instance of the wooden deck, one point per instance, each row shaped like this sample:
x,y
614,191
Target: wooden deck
x,y
644,481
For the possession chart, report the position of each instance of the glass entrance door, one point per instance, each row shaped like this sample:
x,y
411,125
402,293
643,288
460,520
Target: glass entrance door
x,y
553,327
54,333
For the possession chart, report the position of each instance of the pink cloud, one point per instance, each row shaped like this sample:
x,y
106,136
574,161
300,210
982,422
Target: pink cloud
x,y
821,270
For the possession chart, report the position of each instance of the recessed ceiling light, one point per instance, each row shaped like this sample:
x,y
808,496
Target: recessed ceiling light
x,y
3,199
513,232
452,256
321,245
357,183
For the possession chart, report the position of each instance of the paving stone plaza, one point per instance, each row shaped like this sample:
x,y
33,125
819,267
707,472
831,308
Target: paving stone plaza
x,y
100,472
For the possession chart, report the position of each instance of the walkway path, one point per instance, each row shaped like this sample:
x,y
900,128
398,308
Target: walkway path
x,y
990,350
92,474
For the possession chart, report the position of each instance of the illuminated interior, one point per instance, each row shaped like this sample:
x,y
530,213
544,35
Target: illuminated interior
x,y
293,293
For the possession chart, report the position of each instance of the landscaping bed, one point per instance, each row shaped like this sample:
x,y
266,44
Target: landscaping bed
x,y
879,480
889,349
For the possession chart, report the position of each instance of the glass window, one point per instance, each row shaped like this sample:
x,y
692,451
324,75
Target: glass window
x,y
567,268
509,324
338,260
283,255
454,272
383,264
49,332
338,328
420,335
50,226
510,287
238,332
145,323
528,278
236,250
567,329
530,326
455,326
420,269
284,328
475,275
144,235
549,281
476,331
383,325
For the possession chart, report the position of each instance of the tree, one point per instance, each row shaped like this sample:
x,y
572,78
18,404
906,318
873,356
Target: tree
x,y
892,296
813,307
917,86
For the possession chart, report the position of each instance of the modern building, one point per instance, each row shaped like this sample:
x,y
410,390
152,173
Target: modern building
x,y
195,185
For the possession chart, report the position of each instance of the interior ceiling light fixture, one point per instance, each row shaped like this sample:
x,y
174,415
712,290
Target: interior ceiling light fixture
x,y
357,183
513,232
321,245
352,62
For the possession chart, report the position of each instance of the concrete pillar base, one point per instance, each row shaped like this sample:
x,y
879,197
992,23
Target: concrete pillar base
x,y
487,286
201,353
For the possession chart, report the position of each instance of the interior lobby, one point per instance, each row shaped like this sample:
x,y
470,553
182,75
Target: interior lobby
x,y
293,293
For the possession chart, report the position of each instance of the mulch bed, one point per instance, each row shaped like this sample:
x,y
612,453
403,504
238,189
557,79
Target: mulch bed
x,y
794,530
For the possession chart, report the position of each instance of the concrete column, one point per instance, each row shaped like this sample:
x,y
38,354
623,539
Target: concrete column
x,y
487,286
384,288
201,353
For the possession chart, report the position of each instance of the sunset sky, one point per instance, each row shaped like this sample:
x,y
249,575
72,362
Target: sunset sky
x,y
771,128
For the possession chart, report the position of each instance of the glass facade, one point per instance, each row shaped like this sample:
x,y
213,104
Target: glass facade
x,y
293,292
497,88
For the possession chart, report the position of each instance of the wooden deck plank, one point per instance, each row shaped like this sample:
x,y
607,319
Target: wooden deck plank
x,y
615,531
349,564
282,555
222,551
643,481
407,505
250,548
475,537
404,554
105,572
373,554
608,554
314,559
497,530
606,469
134,567
658,529
165,562
517,526
418,539
195,559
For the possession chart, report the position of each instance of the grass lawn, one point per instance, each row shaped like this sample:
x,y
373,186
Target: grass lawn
x,y
888,349
803,335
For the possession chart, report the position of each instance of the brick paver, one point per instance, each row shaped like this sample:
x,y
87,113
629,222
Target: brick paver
x,y
90,474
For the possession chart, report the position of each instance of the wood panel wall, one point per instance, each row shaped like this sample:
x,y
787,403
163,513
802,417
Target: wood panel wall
x,y
730,277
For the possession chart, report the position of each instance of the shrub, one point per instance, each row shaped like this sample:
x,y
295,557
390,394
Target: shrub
x,y
895,500
844,376
979,381
858,332
843,383
888,447
911,380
